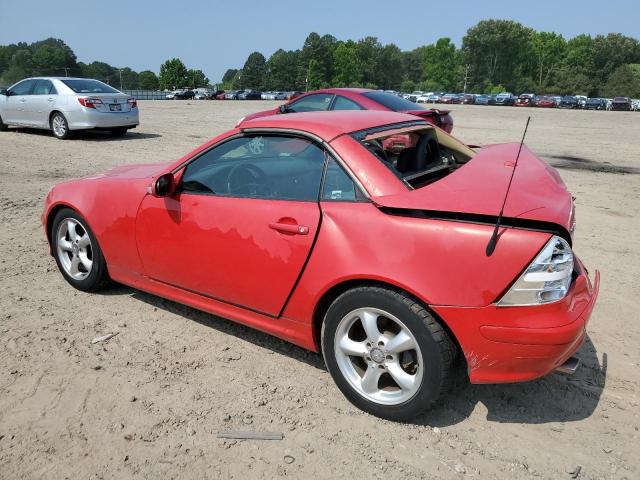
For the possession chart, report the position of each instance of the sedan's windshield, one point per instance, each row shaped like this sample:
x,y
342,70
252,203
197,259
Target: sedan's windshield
x,y
395,103
88,86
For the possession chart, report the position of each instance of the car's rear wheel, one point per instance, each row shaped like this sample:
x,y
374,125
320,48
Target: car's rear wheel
x,y
77,252
386,352
118,132
3,126
60,126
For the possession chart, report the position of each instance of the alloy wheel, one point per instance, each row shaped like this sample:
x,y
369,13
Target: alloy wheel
x,y
379,356
59,126
74,249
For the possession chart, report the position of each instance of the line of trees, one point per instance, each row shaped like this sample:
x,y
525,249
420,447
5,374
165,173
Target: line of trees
x,y
495,55
52,57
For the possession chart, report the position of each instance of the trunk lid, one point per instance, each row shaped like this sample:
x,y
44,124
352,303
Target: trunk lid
x,y
111,102
478,187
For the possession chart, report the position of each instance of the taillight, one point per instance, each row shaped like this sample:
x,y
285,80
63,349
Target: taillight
x,y
133,103
89,102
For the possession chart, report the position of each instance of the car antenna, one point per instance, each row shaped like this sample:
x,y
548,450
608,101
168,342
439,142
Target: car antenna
x,y
491,246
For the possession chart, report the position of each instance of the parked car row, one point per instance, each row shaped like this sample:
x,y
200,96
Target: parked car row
x,y
525,100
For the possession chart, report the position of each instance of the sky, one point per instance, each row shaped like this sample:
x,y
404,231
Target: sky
x,y
213,36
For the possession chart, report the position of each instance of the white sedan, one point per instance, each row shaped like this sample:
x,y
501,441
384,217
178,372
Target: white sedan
x,y
63,105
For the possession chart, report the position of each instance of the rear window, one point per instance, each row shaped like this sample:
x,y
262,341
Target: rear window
x,y
393,102
89,86
417,154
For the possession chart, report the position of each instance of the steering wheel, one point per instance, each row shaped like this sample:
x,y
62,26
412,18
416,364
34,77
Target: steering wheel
x,y
246,178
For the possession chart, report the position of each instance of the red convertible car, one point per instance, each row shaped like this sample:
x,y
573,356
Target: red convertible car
x,y
358,99
306,227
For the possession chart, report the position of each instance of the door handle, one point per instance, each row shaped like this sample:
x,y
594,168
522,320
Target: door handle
x,y
289,228
23,100
50,99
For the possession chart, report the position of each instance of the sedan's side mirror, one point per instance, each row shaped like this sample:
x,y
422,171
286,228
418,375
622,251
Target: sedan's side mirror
x,y
283,109
164,185
3,91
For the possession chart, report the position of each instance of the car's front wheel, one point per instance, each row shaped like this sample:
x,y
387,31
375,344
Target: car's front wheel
x,y
386,353
77,252
3,126
60,126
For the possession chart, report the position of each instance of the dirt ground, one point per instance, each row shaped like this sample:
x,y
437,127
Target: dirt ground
x,y
149,402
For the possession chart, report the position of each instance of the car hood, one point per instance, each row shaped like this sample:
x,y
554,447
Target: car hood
x,y
144,170
478,188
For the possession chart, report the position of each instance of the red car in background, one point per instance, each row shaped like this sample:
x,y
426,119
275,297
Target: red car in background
x,y
358,99
525,100
305,227
546,102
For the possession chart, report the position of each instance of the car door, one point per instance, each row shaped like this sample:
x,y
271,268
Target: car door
x,y
242,223
41,102
15,102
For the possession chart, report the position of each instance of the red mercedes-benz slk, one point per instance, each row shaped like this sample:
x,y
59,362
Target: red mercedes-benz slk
x,y
331,99
306,227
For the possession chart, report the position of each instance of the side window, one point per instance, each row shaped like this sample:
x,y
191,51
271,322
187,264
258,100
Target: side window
x,y
23,88
260,166
343,103
44,87
337,185
311,103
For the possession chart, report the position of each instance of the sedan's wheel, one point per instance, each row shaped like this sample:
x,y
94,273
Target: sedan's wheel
x,y
3,126
77,252
385,352
60,127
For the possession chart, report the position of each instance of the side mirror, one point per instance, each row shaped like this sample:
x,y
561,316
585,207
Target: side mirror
x,y
3,91
164,185
283,108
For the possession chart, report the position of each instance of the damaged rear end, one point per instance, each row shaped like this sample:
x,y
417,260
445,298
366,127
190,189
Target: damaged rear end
x,y
533,295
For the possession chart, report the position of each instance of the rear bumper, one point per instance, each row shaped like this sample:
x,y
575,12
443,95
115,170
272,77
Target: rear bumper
x,y
516,344
89,118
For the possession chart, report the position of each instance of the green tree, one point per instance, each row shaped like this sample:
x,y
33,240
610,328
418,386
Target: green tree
x,y
229,74
100,71
196,78
388,73
497,51
549,49
173,74
440,65
624,82
346,65
412,66
280,67
368,52
254,72
147,80
52,57
316,61
127,78
613,51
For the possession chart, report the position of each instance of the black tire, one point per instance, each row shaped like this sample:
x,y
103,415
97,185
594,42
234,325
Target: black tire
x,y
62,133
435,347
98,277
3,126
118,132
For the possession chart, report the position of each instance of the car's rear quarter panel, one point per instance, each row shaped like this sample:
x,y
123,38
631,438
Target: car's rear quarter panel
x,y
439,262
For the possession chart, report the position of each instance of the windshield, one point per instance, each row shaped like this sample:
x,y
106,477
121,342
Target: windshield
x,y
418,154
393,102
89,86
